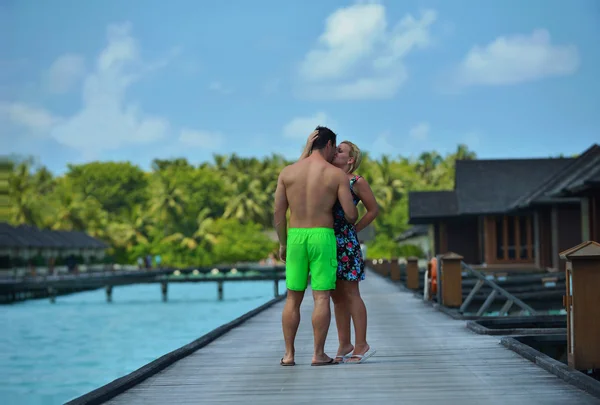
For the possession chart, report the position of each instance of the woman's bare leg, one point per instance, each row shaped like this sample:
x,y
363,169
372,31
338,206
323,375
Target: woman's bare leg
x,y
358,312
342,320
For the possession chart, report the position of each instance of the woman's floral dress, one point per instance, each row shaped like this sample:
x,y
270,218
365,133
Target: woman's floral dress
x,y
351,265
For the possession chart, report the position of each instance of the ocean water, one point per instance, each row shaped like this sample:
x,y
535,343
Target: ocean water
x,y
52,353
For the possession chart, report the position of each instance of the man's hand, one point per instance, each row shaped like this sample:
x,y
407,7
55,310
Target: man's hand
x,y
282,253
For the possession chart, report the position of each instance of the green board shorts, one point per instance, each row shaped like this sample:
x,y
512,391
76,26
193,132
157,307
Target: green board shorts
x,y
314,250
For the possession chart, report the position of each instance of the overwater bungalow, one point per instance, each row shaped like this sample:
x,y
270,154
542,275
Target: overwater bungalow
x,y
514,213
26,246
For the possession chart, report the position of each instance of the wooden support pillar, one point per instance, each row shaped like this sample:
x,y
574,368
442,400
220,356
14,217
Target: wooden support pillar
x,y
395,270
585,219
412,273
220,290
276,288
109,290
583,306
451,280
376,266
52,294
554,233
164,288
536,239
386,267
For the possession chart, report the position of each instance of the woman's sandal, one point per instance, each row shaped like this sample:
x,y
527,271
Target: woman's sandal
x,y
361,357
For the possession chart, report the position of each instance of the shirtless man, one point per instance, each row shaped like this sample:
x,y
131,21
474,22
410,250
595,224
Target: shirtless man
x,y
310,188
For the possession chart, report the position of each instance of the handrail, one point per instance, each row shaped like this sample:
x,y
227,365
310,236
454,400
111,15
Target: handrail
x,y
496,290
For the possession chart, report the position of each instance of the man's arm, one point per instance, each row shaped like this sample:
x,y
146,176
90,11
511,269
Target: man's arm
x,y
345,198
281,206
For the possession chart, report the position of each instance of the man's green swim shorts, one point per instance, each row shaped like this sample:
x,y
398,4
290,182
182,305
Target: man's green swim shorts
x,y
314,250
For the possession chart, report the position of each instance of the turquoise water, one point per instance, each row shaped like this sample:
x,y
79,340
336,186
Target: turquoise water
x,y
52,353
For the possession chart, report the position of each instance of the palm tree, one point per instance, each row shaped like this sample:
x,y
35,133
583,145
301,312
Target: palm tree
x,y
387,188
249,200
167,201
24,191
74,210
202,237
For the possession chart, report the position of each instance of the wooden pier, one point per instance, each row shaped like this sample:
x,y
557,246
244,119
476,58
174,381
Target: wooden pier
x,y
23,288
423,357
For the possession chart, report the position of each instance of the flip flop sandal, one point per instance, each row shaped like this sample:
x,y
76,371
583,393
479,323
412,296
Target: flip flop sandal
x,y
361,357
331,362
293,363
345,356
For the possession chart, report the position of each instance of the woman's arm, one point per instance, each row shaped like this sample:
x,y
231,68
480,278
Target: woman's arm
x,y
364,192
309,142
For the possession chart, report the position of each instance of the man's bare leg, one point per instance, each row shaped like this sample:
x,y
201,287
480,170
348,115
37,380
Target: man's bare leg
x,y
342,321
290,320
321,319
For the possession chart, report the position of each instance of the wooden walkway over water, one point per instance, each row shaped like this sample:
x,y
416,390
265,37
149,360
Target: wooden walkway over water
x,y
423,357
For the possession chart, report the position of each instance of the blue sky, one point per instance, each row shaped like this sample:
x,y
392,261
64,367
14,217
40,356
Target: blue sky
x,y
143,79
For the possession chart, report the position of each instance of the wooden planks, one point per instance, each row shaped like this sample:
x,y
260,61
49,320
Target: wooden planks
x,y
423,357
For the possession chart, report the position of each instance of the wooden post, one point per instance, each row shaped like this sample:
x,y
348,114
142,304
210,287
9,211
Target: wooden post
x,y
276,287
412,273
376,265
220,290
52,294
164,288
451,280
395,270
583,305
389,263
109,290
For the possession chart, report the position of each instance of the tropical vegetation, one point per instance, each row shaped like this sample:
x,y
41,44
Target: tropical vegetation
x,y
215,212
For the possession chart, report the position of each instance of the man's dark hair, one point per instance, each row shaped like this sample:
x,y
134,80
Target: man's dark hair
x,y
326,135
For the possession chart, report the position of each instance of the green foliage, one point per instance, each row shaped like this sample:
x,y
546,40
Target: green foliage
x,y
117,186
202,215
240,242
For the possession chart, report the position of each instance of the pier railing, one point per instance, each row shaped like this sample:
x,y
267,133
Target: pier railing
x,y
51,286
497,291
475,292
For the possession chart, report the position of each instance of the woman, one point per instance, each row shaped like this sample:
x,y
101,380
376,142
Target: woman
x,y
348,304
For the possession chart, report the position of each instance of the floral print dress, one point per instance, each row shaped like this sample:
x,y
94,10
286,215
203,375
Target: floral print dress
x,y
351,265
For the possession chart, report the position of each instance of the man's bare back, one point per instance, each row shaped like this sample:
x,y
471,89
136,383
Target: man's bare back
x,y
312,186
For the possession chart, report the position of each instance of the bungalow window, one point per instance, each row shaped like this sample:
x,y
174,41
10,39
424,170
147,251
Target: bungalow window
x,y
514,238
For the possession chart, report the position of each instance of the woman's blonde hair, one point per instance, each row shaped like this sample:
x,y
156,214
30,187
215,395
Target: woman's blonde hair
x,y
356,154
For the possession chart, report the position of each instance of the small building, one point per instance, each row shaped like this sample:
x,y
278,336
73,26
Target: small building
x,y
514,212
418,235
25,245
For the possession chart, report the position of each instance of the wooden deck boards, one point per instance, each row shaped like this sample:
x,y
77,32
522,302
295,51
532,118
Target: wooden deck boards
x,y
423,357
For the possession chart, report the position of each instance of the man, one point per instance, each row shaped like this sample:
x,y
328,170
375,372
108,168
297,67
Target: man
x,y
310,188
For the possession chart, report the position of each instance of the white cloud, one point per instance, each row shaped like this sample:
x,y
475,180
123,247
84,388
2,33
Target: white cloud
x,y
358,57
219,88
200,139
107,120
65,73
382,145
301,127
516,59
34,119
420,132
